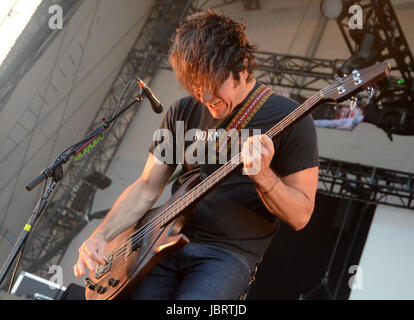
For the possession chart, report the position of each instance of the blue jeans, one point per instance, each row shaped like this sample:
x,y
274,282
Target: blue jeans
x,y
199,271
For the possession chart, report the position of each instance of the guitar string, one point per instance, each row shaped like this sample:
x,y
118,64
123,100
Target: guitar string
x,y
160,220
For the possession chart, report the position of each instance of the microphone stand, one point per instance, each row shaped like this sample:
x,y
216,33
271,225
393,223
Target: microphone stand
x,y
55,172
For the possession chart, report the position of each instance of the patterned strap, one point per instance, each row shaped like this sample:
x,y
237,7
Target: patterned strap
x,y
244,115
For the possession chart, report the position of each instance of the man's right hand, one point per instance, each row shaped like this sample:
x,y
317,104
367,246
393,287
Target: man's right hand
x,y
137,199
91,252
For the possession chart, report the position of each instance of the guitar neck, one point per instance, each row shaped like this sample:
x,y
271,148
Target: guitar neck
x,y
296,115
218,176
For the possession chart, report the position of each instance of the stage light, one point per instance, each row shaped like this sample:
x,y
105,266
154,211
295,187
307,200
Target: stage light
x,y
331,9
393,119
368,52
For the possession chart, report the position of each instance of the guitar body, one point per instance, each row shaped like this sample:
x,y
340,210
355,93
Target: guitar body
x,y
130,260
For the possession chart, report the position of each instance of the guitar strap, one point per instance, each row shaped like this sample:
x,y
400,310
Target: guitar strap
x,y
244,115
241,119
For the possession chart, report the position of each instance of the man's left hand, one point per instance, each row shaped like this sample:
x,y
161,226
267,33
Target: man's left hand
x,y
257,154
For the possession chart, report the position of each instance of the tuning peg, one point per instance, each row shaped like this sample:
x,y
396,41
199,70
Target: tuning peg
x,y
356,76
353,103
370,91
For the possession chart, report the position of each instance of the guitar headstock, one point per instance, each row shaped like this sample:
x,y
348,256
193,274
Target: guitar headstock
x,y
355,82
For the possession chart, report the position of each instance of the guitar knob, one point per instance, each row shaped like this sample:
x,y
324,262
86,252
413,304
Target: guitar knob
x,y
113,282
89,283
99,289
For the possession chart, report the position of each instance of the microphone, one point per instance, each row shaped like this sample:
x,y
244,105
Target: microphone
x,y
156,105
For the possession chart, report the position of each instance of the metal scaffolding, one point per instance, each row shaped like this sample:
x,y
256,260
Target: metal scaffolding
x,y
364,183
283,70
71,204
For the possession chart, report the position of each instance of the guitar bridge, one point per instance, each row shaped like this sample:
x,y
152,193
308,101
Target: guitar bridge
x,y
101,270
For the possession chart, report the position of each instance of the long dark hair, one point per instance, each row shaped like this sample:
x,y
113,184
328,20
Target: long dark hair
x,y
207,47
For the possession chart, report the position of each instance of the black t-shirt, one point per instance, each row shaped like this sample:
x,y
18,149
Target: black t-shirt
x,y
233,215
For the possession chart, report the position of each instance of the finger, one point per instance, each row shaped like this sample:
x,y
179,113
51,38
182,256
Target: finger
x,y
247,154
267,142
94,255
249,147
257,147
248,164
101,251
79,269
88,261
76,271
253,152
262,151
251,159
92,252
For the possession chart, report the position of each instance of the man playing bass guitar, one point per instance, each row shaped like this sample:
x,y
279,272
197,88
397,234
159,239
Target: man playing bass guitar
x,y
233,224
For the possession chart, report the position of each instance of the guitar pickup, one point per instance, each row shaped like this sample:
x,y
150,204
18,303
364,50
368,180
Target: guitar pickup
x,y
129,248
132,245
